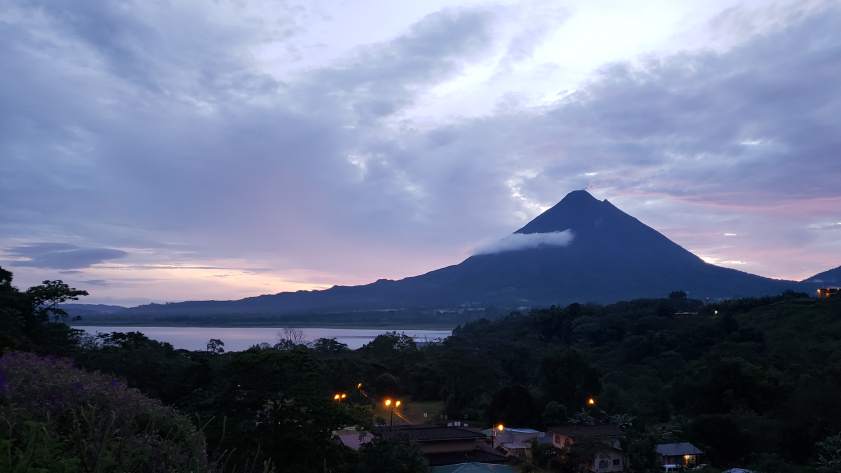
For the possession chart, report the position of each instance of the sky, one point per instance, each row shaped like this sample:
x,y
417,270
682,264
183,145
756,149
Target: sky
x,y
167,151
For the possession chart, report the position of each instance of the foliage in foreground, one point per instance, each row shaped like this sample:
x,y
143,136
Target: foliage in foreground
x,y
57,418
391,456
753,382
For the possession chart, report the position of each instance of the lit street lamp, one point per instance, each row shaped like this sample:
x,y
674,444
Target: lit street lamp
x,y
497,429
391,405
591,401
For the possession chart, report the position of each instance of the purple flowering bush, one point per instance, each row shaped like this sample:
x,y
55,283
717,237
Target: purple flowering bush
x,y
55,417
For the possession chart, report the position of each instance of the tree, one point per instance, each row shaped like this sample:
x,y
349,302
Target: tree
x,y
391,456
386,385
216,346
723,436
46,297
5,280
389,345
640,449
290,338
569,378
514,406
577,457
329,345
13,306
554,413
829,454
25,316
728,323
543,454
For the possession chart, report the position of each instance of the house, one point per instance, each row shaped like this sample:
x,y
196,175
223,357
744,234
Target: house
x,y
353,438
602,442
446,445
514,441
682,454
827,292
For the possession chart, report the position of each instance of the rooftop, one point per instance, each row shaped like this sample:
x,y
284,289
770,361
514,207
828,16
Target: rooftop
x,y
513,430
677,449
473,468
472,456
429,433
353,438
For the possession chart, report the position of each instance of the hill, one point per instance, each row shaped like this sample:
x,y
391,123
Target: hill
x,y
831,277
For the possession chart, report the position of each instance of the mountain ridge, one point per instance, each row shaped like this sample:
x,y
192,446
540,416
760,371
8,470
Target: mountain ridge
x,y
611,256
828,277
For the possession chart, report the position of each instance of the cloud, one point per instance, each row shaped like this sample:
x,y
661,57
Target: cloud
x,y
526,241
61,256
96,282
826,226
155,128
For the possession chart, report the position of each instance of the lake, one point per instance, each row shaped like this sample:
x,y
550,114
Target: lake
x,y
241,338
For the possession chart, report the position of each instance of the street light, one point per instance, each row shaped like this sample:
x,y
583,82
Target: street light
x,y
339,397
591,401
391,405
498,429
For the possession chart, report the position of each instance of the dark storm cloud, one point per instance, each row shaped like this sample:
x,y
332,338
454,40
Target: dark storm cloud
x,y
61,256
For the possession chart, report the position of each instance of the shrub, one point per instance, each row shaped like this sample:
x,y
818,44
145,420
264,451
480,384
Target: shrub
x,y
55,417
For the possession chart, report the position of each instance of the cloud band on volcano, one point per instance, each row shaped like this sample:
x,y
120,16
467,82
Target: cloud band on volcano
x,y
526,241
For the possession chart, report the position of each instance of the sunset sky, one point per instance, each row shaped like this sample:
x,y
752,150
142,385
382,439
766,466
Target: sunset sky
x,y
164,151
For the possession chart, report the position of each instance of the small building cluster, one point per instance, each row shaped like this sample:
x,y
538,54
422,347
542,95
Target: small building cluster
x,y
446,445
827,292
602,444
463,449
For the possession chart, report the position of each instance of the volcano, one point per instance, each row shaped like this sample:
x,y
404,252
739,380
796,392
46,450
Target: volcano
x,y
581,250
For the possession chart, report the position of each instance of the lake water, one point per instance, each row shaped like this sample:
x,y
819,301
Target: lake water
x,y
241,338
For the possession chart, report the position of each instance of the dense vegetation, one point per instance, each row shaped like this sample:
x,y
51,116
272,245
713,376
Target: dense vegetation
x,y
59,418
753,382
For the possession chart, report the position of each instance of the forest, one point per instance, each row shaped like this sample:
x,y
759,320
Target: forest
x,y
755,383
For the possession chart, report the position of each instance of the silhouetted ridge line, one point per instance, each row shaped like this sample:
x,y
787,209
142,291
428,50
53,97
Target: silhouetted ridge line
x,y
611,256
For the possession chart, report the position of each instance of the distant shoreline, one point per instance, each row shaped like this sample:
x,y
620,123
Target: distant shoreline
x,y
361,325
